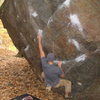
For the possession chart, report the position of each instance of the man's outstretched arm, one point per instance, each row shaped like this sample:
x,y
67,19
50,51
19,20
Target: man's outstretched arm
x,y
42,54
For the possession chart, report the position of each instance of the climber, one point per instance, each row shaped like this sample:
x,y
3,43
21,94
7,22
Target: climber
x,y
52,74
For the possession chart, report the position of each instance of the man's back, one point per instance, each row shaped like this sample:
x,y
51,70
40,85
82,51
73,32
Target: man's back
x,y
52,72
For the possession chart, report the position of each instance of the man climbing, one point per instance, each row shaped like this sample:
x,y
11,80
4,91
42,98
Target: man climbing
x,y
52,73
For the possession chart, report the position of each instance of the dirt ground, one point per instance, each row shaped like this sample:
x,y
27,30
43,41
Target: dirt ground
x,y
17,78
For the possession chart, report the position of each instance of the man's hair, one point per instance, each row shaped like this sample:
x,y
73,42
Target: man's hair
x,y
50,57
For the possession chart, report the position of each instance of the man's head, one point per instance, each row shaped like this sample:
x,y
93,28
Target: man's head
x,y
50,57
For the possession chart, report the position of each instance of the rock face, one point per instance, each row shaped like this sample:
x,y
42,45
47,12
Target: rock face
x,y
70,30
91,93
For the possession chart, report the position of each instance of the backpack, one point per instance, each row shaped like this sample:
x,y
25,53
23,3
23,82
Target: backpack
x,y
25,97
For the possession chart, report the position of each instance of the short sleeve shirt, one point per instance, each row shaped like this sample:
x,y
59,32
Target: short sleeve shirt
x,y
52,72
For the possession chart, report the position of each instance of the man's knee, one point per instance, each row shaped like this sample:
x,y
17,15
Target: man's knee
x,y
66,82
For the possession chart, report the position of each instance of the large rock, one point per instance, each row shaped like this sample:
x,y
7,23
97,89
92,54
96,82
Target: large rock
x,y
91,93
70,30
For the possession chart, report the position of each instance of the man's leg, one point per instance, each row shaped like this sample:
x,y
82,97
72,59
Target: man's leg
x,y
67,85
48,88
42,75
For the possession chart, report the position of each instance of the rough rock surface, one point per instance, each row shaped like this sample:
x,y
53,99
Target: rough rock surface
x,y
70,30
91,93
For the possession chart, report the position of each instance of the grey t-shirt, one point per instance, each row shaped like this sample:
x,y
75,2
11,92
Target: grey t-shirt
x,y
52,73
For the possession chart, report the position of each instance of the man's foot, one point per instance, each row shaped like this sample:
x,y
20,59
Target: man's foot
x,y
68,97
48,88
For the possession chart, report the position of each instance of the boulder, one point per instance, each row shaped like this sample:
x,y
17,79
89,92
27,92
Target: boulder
x,y
70,30
91,93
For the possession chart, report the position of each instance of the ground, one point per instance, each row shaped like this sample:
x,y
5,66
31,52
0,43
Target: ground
x,y
17,78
